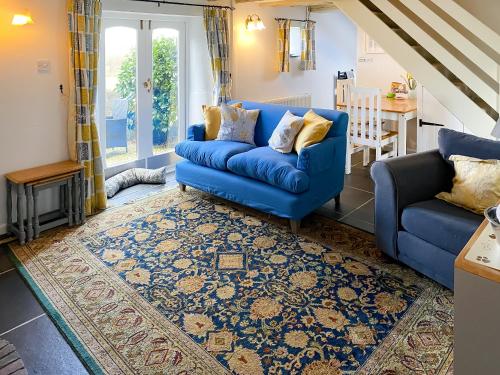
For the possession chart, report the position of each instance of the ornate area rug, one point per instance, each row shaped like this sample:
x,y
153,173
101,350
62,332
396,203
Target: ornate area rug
x,y
184,283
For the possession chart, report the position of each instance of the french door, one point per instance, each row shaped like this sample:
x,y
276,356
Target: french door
x,y
141,94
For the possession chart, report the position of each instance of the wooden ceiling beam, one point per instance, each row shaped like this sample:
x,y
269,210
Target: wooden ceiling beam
x,y
314,4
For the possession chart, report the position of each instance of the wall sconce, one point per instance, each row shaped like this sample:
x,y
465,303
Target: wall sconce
x,y
22,19
253,22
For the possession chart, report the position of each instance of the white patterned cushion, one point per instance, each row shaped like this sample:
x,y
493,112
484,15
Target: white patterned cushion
x,y
238,124
283,137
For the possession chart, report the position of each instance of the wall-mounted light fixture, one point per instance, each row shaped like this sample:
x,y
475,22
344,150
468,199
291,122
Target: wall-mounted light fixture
x,y
22,19
253,22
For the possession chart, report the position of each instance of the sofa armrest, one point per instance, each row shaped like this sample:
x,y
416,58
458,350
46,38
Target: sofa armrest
x,y
400,182
319,157
196,133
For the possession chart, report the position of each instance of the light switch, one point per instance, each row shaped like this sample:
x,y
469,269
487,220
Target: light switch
x,y
365,59
43,66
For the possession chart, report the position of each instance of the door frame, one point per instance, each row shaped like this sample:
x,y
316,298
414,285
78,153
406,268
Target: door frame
x,y
145,22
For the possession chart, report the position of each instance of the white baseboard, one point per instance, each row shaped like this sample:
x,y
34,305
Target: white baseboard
x,y
3,229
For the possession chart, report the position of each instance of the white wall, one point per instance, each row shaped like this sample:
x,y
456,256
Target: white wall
x,y
32,111
255,74
379,70
376,69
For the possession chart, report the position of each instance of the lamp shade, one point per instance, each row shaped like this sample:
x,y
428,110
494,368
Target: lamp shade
x,y
496,129
253,22
21,19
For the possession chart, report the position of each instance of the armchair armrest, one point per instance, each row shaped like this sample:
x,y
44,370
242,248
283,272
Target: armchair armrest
x,y
400,182
319,157
196,133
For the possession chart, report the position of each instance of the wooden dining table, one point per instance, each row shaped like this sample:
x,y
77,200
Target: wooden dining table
x,y
400,110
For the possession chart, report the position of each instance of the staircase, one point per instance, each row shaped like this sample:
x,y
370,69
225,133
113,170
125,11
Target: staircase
x,y
451,53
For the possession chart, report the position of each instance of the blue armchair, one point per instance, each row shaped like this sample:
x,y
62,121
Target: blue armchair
x,y
413,226
286,185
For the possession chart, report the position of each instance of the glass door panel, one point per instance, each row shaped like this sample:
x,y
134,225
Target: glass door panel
x,y
165,117
120,95
141,96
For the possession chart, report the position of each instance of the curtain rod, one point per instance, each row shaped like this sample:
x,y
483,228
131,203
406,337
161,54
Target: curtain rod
x,y
160,2
293,19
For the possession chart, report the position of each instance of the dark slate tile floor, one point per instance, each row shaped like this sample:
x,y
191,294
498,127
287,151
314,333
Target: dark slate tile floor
x,y
357,205
24,323
44,350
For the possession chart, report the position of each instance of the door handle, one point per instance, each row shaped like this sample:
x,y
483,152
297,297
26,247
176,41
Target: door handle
x,y
148,85
422,123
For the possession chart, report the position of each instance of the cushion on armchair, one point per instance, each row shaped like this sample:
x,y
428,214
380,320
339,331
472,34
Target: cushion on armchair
x,y
212,154
272,167
476,185
444,225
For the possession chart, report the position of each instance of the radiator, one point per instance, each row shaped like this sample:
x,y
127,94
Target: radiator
x,y
293,101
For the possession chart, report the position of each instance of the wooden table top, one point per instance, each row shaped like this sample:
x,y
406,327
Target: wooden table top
x,y
475,268
43,172
394,105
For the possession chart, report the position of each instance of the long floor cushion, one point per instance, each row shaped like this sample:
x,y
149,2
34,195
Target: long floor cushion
x,y
212,154
267,165
441,224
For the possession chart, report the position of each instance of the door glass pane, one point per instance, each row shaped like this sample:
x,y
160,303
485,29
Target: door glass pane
x,y
121,95
165,89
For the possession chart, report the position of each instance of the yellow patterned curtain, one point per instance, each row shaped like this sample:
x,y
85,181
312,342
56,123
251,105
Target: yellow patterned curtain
x,y
284,45
84,18
216,23
308,50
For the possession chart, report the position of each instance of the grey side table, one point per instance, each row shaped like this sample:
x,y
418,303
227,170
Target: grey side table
x,y
68,176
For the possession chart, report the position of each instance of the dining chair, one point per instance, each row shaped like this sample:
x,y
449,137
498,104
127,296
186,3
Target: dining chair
x,y
365,126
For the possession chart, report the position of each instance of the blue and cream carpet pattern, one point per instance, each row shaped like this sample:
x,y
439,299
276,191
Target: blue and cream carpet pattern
x,y
184,283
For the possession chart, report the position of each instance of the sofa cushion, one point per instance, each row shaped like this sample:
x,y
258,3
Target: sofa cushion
x,y
272,167
441,224
212,154
455,143
271,114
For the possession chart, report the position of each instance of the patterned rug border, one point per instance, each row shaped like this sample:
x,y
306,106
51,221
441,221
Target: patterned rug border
x,y
69,333
85,357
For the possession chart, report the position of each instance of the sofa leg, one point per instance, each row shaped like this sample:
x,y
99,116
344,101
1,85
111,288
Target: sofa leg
x,y
295,226
182,187
337,200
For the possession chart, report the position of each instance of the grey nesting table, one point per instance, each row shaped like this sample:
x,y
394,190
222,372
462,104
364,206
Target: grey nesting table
x,y
25,186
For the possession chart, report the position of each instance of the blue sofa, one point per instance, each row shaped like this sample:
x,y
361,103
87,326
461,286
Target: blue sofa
x,y
286,185
411,225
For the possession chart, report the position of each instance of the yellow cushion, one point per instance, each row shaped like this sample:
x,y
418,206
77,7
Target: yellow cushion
x,y
476,185
314,130
213,119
